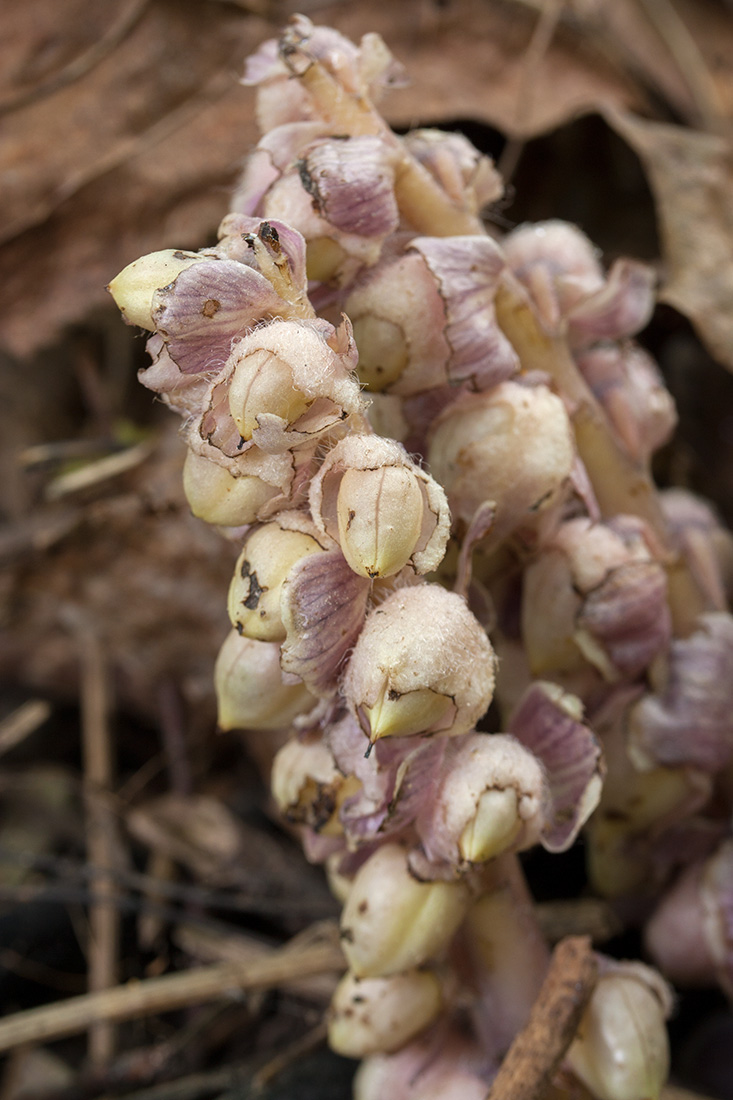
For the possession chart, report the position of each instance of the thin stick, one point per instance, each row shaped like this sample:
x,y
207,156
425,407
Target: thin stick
x,y
104,919
296,1050
22,723
166,994
535,1054
95,473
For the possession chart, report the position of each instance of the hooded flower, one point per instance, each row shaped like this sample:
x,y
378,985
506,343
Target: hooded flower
x,y
427,318
595,594
560,268
422,664
512,446
198,304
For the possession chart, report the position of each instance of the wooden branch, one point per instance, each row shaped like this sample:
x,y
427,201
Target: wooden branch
x,y
535,1054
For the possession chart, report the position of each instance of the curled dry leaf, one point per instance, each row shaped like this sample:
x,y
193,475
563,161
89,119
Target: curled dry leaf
x,y
161,102
691,177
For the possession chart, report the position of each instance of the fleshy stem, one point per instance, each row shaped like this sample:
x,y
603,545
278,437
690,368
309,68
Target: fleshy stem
x,y
420,198
621,485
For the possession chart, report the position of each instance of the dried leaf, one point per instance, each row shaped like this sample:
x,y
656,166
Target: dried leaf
x,y
159,613
112,153
691,176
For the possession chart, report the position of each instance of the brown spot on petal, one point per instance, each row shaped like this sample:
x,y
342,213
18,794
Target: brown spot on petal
x,y
363,906
270,236
210,307
310,185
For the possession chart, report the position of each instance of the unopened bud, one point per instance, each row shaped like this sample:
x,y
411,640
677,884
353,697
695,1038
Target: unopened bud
x,y
285,384
267,558
380,516
621,1051
249,687
383,509
373,1015
215,496
383,351
445,1067
391,922
427,319
133,289
338,883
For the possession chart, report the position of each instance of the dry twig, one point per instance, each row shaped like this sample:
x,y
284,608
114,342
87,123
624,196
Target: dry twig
x,y
102,844
535,1054
166,994
22,723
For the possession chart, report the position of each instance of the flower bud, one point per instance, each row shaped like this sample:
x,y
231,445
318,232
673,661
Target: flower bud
x,y
548,723
374,1015
422,664
688,935
133,289
215,496
332,189
465,175
512,445
635,807
268,555
505,958
338,883
380,515
698,535
625,380
621,1051
493,828
678,934
391,922
384,510
368,69
249,687
688,721
286,384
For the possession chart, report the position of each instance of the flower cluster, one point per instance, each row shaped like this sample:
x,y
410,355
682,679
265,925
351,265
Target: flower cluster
x,y
421,434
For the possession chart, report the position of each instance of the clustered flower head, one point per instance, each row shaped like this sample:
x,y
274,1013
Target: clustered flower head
x,y
421,435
